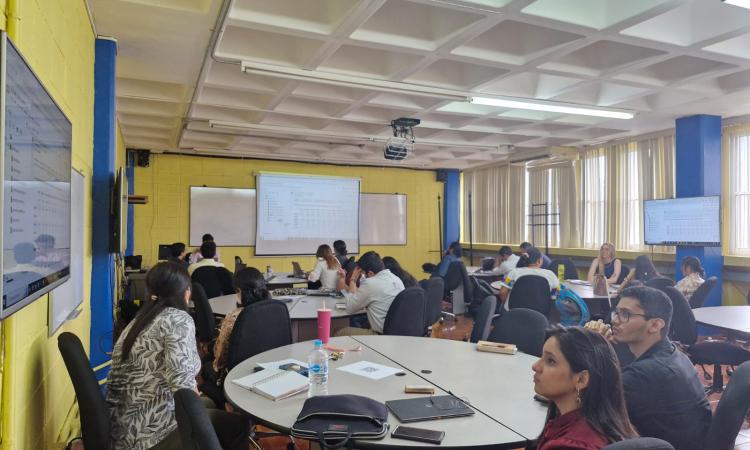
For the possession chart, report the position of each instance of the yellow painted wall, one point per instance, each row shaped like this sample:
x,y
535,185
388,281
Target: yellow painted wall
x,y
165,219
38,410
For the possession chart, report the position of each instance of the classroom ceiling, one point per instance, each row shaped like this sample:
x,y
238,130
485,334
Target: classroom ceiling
x,y
181,85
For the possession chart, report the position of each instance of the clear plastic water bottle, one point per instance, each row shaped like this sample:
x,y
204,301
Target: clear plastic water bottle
x,y
317,370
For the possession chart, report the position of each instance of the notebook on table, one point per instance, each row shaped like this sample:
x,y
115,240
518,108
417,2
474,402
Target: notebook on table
x,y
428,408
273,383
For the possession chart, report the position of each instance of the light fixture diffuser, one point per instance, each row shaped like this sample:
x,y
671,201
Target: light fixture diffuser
x,y
740,3
551,107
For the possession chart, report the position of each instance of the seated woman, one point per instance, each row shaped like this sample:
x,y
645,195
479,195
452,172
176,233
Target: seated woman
x,y
693,274
251,288
642,271
326,268
339,249
454,253
154,356
606,263
396,269
579,374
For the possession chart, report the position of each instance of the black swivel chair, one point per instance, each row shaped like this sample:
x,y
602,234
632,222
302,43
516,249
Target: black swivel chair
x,y
641,443
259,327
717,353
406,314
701,294
456,277
571,273
659,282
205,322
483,320
433,288
95,427
624,271
523,327
193,423
682,328
531,292
731,411
216,281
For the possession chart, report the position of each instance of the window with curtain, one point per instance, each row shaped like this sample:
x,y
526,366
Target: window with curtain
x,y
555,185
739,192
594,197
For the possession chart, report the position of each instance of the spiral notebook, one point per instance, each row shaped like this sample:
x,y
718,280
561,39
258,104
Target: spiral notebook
x,y
274,384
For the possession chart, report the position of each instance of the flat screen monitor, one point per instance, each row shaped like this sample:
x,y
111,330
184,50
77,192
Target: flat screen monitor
x,y
35,142
683,221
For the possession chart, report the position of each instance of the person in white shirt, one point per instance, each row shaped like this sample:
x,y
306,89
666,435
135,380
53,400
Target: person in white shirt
x,y
326,268
535,261
196,256
375,293
208,250
505,261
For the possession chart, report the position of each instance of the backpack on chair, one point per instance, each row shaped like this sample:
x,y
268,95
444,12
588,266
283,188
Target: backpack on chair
x,y
573,310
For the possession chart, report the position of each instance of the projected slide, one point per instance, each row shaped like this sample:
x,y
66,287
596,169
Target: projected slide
x,y
683,221
297,213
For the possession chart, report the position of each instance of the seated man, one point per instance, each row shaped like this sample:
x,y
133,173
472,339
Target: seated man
x,y
546,261
664,397
208,250
178,254
505,261
374,294
533,260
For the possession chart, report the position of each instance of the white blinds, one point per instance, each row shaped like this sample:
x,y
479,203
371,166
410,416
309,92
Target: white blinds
x,y
739,192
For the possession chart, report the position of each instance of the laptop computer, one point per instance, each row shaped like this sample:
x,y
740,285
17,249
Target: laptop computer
x,y
428,408
297,270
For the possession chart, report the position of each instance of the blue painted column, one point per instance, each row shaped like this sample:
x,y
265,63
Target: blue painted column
x,y
698,173
130,175
103,266
451,208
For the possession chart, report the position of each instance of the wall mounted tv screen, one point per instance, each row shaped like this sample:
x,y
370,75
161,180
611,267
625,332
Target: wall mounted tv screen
x,y
683,221
35,148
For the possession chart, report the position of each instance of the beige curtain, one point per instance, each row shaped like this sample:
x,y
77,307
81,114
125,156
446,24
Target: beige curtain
x,y
594,187
656,178
497,195
739,190
555,185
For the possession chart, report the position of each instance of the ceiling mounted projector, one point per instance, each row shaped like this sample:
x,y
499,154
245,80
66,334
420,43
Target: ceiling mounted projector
x,y
398,147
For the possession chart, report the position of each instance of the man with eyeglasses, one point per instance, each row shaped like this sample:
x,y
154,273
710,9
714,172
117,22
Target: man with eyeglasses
x,y
664,397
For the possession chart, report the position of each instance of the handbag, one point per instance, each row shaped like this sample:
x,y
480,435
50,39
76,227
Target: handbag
x,y
600,285
336,421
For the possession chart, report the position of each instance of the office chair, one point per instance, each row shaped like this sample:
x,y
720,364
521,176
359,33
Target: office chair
x,y
262,326
483,319
717,353
457,282
95,427
216,281
659,282
682,328
205,322
433,288
731,411
701,294
624,271
641,443
405,316
532,292
525,328
571,273
193,423
479,289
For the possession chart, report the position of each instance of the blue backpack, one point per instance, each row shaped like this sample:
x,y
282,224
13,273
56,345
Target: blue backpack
x,y
573,310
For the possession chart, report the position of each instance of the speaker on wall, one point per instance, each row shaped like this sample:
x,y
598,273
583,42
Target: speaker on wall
x,y
442,175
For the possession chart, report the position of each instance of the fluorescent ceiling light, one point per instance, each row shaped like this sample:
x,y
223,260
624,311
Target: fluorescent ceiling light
x,y
740,3
551,107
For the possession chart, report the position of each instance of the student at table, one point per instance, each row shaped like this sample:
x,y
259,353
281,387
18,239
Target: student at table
x,y
178,252
546,261
579,373
606,263
505,261
154,356
339,248
664,397
197,255
693,274
642,271
453,254
374,294
326,268
208,250
396,269
532,261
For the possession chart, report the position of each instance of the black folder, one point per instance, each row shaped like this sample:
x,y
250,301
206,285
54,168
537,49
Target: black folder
x,y
428,408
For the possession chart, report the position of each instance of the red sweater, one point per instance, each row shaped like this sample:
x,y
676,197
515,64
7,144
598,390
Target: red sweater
x,y
570,432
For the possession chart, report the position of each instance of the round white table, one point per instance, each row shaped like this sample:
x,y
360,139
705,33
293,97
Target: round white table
x,y
730,318
498,387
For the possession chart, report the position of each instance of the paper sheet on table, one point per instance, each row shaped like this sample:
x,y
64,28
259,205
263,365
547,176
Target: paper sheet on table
x,y
276,364
371,370
579,282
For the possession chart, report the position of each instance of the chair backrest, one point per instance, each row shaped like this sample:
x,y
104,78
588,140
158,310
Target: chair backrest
x,y
193,423
95,427
433,288
571,273
532,292
205,322
453,277
748,297
483,319
624,271
701,294
523,327
209,278
731,412
660,282
641,443
480,289
683,328
406,314
259,327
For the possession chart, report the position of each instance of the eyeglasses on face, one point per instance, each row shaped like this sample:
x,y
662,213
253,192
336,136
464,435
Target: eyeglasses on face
x,y
623,315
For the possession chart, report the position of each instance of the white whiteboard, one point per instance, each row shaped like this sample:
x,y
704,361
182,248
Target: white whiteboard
x,y
64,299
382,219
227,213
